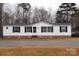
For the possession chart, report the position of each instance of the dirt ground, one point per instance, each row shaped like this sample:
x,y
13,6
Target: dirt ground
x,y
39,51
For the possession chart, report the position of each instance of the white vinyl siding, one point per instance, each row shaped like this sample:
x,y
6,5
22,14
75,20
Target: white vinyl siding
x,y
37,31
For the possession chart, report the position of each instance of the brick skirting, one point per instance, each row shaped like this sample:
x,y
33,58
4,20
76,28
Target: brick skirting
x,y
29,37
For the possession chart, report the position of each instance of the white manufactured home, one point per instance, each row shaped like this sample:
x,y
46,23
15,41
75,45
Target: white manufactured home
x,y
37,29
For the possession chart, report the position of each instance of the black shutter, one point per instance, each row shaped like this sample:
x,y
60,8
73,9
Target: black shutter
x,y
52,28
31,29
66,28
41,29
25,29
13,29
60,29
19,29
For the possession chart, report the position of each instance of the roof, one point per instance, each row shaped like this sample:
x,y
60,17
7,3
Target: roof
x,y
37,22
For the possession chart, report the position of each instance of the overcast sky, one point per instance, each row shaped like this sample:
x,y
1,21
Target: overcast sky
x,y
52,4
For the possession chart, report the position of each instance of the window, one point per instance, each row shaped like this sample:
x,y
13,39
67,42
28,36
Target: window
x,y
47,29
43,29
63,28
50,29
28,29
16,29
34,29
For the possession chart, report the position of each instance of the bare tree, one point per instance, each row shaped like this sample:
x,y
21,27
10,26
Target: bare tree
x,y
21,16
41,15
28,17
6,15
6,18
25,9
36,16
18,18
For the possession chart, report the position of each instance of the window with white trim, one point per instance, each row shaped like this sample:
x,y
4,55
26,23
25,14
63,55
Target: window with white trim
x,y
50,29
16,29
63,28
28,29
43,29
47,29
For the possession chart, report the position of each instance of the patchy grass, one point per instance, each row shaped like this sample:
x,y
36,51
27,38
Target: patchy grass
x,y
45,39
39,51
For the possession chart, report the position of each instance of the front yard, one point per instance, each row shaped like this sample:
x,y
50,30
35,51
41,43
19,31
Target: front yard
x,y
38,51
